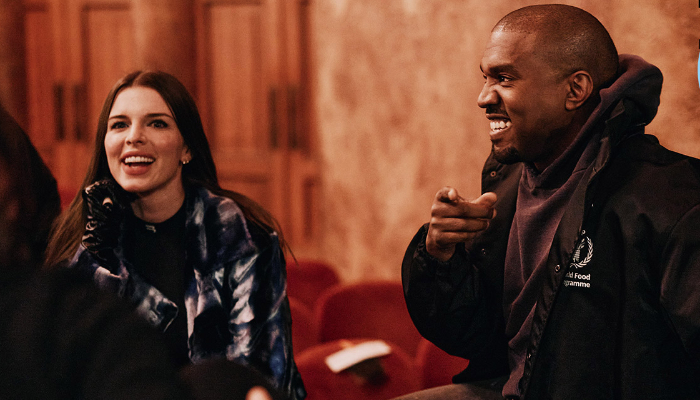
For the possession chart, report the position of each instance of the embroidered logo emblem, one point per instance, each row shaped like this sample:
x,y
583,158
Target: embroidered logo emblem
x,y
583,253
581,257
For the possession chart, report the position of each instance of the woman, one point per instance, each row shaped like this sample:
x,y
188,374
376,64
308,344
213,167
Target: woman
x,y
201,263
84,328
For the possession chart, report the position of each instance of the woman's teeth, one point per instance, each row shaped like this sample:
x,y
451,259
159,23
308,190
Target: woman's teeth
x,y
138,159
498,125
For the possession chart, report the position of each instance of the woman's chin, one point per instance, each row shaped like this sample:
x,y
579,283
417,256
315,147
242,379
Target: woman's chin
x,y
132,188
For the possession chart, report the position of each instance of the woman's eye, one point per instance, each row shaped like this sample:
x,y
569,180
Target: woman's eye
x,y
118,125
159,123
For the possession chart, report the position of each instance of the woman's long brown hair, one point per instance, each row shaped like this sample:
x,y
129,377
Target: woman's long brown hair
x,y
200,171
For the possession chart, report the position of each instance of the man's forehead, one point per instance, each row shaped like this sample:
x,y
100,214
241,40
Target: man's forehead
x,y
507,49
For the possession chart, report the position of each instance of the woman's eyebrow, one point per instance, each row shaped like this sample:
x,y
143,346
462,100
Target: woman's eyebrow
x,y
151,115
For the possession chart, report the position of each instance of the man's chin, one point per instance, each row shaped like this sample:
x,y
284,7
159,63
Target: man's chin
x,y
507,155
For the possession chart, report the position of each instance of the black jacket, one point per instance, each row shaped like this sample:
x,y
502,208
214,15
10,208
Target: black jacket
x,y
619,315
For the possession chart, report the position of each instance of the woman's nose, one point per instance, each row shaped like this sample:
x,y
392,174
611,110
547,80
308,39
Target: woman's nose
x,y
135,135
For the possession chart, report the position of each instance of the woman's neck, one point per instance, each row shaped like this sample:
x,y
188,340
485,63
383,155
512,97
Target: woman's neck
x,y
158,206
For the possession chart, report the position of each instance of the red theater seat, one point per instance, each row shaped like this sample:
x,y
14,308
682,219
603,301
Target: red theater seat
x,y
400,375
304,333
307,279
437,367
367,310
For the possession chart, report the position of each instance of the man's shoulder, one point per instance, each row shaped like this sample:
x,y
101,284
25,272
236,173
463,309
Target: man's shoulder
x,y
653,178
647,149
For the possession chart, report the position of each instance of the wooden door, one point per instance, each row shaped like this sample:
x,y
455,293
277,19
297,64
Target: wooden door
x,y
249,76
44,119
303,187
71,66
237,67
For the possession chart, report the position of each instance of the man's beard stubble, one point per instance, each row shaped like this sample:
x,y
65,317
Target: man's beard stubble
x,y
509,155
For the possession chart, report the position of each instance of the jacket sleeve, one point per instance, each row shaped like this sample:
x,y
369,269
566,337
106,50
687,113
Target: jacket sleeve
x,y
260,319
446,300
149,302
679,279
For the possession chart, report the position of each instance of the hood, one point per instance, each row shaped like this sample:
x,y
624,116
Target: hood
x,y
633,94
638,86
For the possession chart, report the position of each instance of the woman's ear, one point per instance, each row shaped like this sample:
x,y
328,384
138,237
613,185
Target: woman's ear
x,y
580,87
186,156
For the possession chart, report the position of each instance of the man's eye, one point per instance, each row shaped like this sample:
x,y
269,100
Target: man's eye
x,y
502,78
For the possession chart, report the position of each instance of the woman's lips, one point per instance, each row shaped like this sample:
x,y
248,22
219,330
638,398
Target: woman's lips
x,y
137,165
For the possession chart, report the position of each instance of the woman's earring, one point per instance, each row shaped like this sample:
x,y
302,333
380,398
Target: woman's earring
x,y
184,162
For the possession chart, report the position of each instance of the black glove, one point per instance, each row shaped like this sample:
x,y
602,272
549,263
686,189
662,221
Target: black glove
x,y
107,204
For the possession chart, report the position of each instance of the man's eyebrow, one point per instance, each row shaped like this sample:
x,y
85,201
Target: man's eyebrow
x,y
510,68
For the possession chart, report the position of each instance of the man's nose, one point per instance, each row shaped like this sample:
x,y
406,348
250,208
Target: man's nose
x,y
487,97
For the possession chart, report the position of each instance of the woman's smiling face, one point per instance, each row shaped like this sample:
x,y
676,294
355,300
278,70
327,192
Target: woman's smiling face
x,y
144,146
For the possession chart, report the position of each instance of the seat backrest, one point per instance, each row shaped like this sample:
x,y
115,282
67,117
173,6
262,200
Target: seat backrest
x,y
367,310
436,366
304,333
307,279
400,375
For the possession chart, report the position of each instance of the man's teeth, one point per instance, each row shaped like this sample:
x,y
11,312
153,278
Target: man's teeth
x,y
498,125
138,159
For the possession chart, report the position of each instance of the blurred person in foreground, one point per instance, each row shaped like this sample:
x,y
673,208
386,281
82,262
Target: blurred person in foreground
x,y
575,275
202,264
29,201
60,338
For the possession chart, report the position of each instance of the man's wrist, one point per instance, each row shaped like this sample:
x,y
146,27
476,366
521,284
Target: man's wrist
x,y
443,254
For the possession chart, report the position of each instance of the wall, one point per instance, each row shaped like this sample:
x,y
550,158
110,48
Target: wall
x,y
395,102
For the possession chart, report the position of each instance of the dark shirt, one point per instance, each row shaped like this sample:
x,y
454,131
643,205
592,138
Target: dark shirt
x,y
157,251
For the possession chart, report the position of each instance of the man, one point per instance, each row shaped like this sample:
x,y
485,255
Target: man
x,y
574,275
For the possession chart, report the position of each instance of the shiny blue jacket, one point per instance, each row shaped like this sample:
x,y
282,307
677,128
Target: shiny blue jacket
x,y
237,294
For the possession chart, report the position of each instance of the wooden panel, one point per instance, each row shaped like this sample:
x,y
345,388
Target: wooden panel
x,y
238,101
237,94
305,139
260,178
41,91
99,50
108,55
304,170
257,178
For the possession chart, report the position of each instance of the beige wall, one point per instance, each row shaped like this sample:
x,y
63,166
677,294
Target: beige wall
x,y
395,99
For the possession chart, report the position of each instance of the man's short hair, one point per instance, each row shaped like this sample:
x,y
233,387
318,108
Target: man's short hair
x,y
569,38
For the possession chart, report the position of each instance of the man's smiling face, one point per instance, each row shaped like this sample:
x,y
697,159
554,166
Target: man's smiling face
x,y
524,98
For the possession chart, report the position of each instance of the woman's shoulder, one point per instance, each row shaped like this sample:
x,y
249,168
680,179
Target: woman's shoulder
x,y
219,213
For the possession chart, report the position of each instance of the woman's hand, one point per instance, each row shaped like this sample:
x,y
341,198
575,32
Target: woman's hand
x,y
107,204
